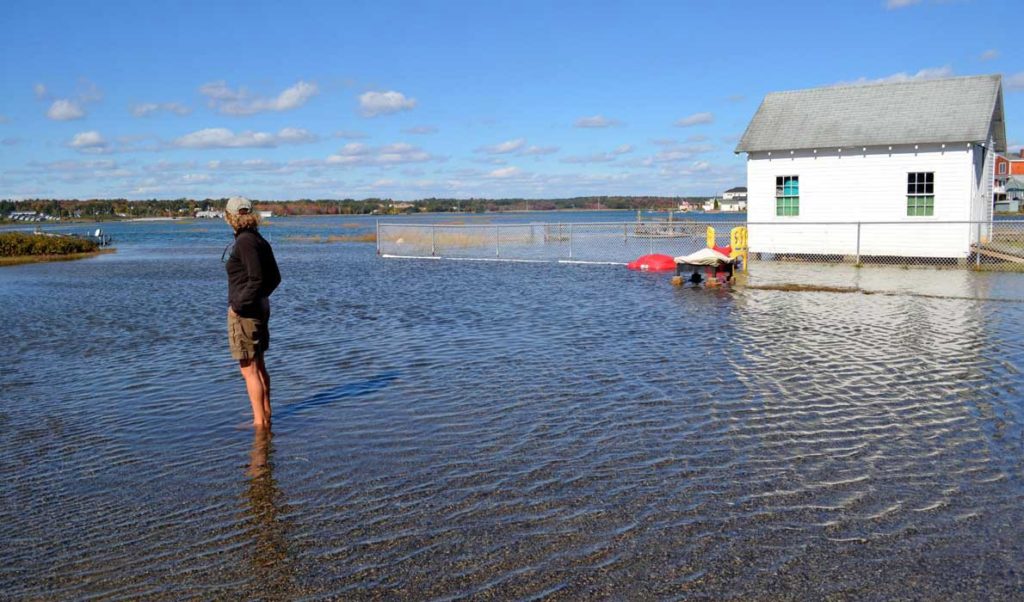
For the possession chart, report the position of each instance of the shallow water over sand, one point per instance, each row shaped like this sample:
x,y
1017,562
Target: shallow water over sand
x,y
450,429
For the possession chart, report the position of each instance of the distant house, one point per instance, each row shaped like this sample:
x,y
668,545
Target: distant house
x,y
1005,169
1017,164
906,153
733,205
266,214
689,205
1012,197
734,199
210,214
740,192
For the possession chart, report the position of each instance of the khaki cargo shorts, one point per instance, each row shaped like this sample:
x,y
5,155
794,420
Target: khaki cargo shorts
x,y
249,338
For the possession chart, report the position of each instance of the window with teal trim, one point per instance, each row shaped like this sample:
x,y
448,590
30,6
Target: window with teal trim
x,y
921,194
787,195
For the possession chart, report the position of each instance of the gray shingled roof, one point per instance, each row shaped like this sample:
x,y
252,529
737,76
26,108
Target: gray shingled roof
x,y
959,109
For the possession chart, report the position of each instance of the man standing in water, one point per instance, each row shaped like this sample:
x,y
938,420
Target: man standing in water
x,y
252,276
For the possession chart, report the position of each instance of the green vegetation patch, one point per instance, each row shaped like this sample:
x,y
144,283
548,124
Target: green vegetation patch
x,y
367,237
16,244
21,259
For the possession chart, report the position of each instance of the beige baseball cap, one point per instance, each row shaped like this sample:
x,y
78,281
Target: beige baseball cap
x,y
238,204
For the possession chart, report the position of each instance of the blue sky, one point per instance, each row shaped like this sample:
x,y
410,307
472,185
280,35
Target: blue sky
x,y
455,99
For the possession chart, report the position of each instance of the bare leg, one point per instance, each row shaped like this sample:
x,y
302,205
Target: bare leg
x,y
254,386
265,378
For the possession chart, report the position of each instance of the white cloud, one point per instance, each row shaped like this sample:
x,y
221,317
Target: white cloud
x,y
228,101
989,54
1015,81
695,119
357,154
421,130
539,150
372,104
595,158
350,134
295,136
261,166
65,110
220,91
596,121
505,172
225,138
923,74
606,157
502,148
148,108
672,153
90,141
895,4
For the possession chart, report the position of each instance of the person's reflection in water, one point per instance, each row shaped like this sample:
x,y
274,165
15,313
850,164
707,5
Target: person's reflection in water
x,y
269,550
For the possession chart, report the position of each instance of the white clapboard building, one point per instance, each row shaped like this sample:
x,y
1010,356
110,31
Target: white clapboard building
x,y
902,158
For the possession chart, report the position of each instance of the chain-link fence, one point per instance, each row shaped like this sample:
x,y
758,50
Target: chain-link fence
x,y
995,245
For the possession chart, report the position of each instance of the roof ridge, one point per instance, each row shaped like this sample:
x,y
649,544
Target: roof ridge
x,y
995,76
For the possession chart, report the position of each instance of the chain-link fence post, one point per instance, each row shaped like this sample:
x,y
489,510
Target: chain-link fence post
x,y
858,243
378,237
497,241
977,247
570,240
650,240
433,241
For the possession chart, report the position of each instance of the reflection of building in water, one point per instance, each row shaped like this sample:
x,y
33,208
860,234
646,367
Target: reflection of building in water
x,y
272,566
868,415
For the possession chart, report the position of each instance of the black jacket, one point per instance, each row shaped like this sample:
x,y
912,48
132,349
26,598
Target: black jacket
x,y
252,273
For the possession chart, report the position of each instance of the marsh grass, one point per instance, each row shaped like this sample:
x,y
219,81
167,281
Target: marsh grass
x,y
23,259
459,238
365,237
17,244
804,288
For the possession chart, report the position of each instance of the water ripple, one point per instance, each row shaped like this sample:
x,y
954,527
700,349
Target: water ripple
x,y
466,430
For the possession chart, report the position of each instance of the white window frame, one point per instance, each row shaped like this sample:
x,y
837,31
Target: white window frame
x,y
780,184
920,191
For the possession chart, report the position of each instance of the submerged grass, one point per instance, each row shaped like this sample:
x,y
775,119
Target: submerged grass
x,y
366,237
461,239
806,288
23,259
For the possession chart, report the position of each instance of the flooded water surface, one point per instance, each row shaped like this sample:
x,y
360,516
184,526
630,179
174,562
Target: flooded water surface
x,y
450,430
